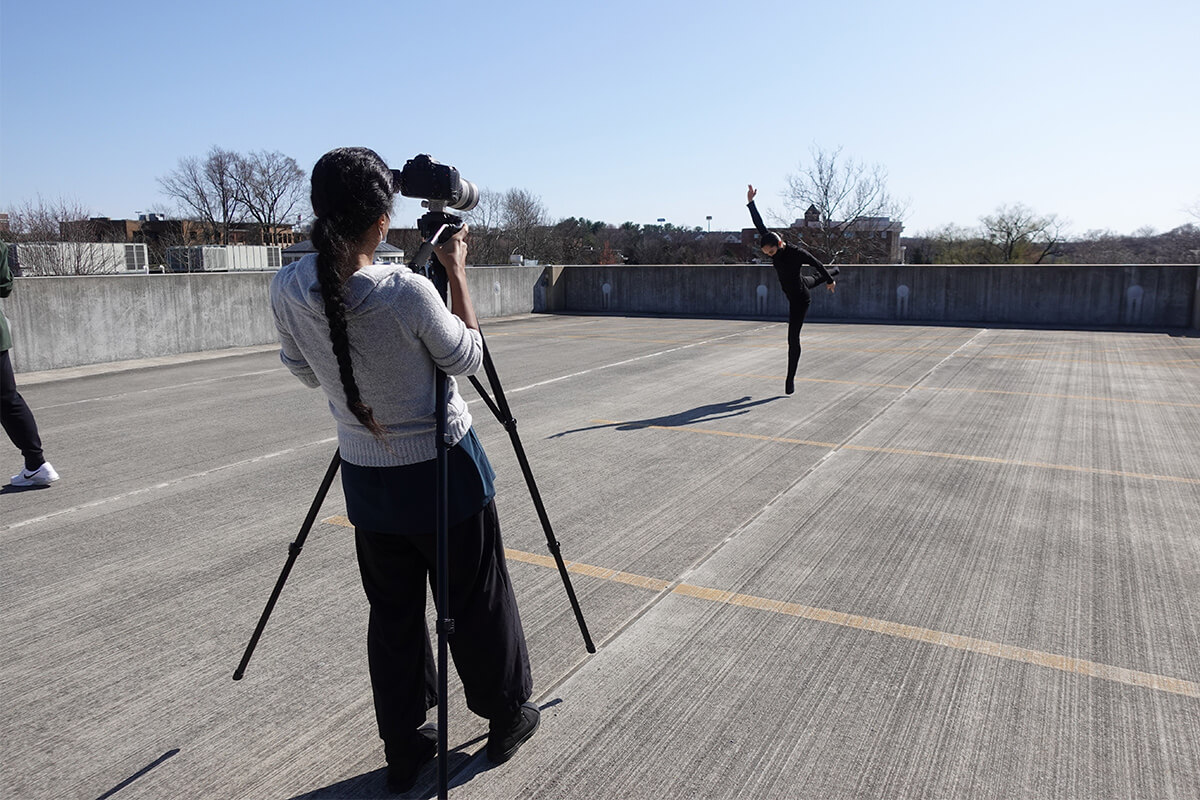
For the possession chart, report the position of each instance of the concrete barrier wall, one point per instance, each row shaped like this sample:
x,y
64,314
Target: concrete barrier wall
x,y
504,291
64,322
1196,303
1155,296
72,321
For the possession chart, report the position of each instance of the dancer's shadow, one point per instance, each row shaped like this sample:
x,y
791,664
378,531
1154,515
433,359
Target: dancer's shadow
x,y
707,413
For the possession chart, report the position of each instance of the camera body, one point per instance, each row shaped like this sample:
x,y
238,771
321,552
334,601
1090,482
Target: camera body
x,y
425,178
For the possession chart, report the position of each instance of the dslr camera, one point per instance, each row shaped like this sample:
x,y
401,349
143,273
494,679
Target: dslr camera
x,y
440,187
438,184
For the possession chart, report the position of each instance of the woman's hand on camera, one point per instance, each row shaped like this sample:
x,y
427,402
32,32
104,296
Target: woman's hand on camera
x,y
453,252
453,255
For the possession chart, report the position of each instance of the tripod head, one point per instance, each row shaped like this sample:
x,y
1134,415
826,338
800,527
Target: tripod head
x,y
435,218
436,226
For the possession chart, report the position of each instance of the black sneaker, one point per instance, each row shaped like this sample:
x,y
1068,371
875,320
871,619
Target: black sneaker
x,y
789,386
505,738
406,759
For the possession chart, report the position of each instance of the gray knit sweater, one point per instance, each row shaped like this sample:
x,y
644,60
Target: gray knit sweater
x,y
399,329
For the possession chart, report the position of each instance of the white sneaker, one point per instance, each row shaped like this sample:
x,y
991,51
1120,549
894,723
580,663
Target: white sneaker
x,y
42,476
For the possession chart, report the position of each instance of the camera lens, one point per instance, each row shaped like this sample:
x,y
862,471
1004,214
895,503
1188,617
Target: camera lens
x,y
468,196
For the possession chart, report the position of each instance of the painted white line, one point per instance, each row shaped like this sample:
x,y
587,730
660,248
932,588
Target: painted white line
x,y
160,389
164,485
223,467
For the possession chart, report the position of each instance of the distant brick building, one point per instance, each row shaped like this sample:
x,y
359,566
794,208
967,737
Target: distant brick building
x,y
864,240
156,230
386,253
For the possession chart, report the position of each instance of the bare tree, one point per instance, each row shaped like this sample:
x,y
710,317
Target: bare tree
x,y
608,255
56,238
950,244
485,230
524,216
207,189
160,232
843,200
44,220
1017,234
1102,247
270,186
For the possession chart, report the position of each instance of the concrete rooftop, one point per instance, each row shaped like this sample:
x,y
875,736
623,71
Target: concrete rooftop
x,y
958,562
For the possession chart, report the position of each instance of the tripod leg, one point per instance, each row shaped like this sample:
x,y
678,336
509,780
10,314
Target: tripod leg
x,y
504,415
293,551
445,625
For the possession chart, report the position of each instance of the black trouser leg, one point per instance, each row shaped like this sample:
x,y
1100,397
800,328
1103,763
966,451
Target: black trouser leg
x,y
488,644
797,311
403,672
812,281
16,418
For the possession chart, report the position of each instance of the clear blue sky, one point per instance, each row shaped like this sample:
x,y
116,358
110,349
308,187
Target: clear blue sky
x,y
624,109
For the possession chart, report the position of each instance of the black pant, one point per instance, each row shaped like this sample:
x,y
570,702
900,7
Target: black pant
x,y
16,418
799,299
488,644
798,303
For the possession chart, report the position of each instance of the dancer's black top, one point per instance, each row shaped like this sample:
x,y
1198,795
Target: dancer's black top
x,y
788,260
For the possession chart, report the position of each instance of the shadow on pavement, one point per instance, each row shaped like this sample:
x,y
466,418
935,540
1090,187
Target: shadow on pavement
x,y
705,413
10,489
462,769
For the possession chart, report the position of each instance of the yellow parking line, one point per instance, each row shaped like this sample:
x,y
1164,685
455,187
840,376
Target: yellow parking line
x,y
603,573
923,453
954,641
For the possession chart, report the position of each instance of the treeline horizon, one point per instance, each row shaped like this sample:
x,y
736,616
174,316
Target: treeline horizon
x,y
226,191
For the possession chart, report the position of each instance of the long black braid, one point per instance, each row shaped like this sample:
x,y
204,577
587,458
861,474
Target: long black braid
x,y
351,190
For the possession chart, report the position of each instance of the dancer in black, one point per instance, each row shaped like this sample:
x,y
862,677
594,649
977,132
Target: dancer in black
x,y
788,260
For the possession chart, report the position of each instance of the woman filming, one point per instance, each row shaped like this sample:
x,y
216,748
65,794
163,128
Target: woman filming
x,y
373,336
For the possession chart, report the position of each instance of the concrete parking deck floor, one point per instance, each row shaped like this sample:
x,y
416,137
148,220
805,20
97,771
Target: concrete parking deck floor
x,y
957,562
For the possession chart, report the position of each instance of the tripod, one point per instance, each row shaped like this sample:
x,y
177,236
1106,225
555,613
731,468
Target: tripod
x,y
426,263
433,225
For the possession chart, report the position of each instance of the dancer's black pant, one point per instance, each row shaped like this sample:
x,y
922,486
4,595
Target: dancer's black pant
x,y
16,418
488,643
798,303
799,299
